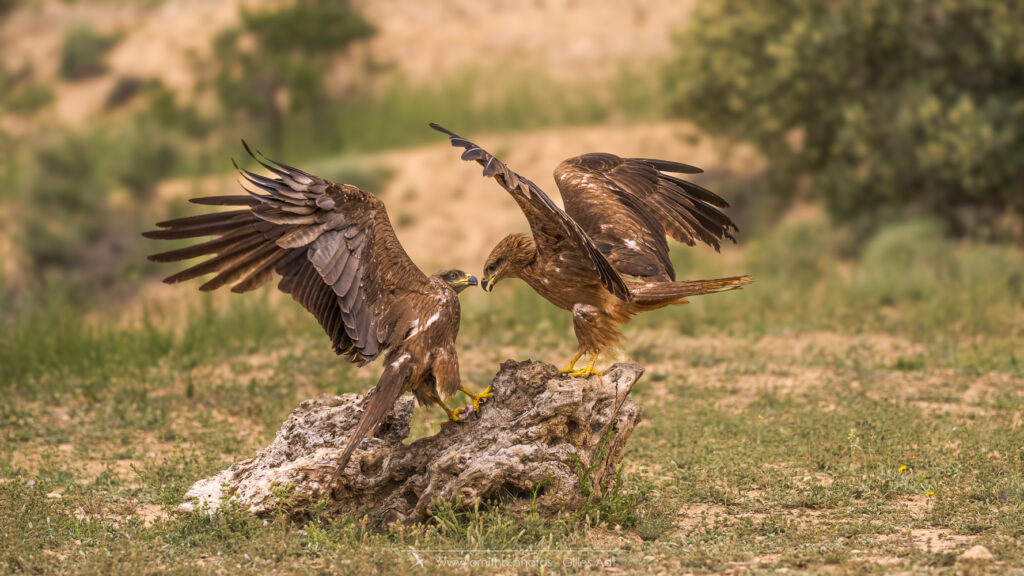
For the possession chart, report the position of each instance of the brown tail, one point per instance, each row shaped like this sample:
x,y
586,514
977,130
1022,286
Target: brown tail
x,y
657,294
385,394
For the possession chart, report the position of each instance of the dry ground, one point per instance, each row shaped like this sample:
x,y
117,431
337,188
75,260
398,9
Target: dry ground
x,y
789,451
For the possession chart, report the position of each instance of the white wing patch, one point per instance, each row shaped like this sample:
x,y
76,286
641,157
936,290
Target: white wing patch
x,y
433,319
415,329
401,360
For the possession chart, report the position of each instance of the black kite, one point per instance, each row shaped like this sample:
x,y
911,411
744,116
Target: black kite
x,y
605,256
337,254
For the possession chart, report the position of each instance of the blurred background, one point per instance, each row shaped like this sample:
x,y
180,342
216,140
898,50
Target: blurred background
x,y
873,152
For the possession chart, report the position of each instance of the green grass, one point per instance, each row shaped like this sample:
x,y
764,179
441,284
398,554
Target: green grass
x,y
790,424
394,113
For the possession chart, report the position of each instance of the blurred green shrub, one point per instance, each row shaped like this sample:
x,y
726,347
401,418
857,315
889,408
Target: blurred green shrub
x,y
156,156
274,64
890,107
165,110
20,93
84,53
310,26
124,91
906,262
75,227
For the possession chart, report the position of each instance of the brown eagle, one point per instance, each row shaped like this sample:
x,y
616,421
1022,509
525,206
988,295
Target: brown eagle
x,y
605,256
337,254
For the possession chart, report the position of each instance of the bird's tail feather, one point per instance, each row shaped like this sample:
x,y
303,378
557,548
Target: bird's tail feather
x,y
657,294
384,396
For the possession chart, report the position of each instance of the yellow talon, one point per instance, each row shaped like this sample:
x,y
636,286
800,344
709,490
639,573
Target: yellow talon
x,y
588,370
452,415
571,366
477,397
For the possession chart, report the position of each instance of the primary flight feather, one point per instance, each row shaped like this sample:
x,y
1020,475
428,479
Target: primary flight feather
x,y
336,253
604,257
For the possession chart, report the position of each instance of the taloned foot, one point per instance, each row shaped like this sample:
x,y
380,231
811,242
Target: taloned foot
x,y
571,366
453,416
587,371
477,397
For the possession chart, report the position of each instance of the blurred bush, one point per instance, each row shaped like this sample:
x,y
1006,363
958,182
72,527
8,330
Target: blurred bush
x,y
75,224
274,64
889,108
84,53
20,93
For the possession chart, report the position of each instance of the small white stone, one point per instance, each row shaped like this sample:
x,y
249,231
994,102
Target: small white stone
x,y
977,554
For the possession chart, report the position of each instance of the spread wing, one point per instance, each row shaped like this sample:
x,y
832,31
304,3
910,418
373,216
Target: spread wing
x,y
554,231
627,205
332,245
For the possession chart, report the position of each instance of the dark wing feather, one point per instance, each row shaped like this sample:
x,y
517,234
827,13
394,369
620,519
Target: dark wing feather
x,y
332,245
628,205
554,231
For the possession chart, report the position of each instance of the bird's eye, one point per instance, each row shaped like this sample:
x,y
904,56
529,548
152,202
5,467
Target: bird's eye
x,y
453,275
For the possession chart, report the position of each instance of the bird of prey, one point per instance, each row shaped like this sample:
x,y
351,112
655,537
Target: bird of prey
x,y
605,256
337,254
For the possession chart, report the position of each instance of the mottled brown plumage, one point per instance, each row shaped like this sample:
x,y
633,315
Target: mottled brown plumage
x,y
337,254
605,256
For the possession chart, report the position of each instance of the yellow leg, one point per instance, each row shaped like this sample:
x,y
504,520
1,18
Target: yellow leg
x,y
572,363
588,370
477,397
452,416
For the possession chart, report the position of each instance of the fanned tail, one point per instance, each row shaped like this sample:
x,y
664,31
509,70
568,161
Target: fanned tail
x,y
657,294
384,396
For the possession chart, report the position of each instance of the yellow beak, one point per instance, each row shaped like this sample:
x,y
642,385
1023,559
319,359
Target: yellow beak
x,y
468,280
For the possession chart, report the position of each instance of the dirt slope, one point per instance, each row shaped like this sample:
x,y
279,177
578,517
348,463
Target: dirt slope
x,y
567,39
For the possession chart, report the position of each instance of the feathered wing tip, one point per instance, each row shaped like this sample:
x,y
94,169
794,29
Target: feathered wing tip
x,y
670,166
246,250
691,212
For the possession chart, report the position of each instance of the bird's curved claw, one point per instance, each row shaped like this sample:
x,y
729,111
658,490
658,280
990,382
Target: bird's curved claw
x,y
571,366
453,415
477,397
585,372
481,396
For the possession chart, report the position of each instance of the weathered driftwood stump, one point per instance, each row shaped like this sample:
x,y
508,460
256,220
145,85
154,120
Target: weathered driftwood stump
x,y
541,434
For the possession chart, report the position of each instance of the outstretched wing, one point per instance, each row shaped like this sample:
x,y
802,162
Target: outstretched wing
x,y
332,245
627,205
554,231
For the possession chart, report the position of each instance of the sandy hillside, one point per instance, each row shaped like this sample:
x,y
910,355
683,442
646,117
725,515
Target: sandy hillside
x,y
569,38
421,40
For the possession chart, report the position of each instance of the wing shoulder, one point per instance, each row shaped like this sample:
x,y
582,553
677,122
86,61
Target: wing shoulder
x,y
554,230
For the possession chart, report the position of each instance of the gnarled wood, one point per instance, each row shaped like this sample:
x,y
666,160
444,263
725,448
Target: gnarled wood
x,y
536,436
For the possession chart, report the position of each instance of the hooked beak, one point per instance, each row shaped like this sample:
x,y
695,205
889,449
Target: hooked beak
x,y
468,280
487,284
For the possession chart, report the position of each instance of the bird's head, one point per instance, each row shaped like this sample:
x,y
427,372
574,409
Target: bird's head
x,y
457,279
510,256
